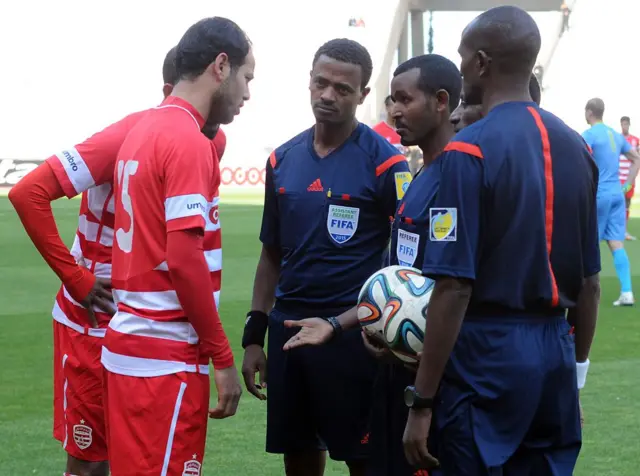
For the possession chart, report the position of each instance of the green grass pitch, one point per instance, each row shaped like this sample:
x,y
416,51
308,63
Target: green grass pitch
x,y
236,446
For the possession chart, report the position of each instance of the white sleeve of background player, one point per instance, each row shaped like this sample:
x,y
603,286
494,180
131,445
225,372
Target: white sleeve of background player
x,y
76,171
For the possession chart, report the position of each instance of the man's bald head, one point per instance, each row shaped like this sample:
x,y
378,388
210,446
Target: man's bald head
x,y
596,107
498,50
594,111
508,35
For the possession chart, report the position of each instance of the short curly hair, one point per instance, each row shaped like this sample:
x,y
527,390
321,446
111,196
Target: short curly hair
x,y
348,51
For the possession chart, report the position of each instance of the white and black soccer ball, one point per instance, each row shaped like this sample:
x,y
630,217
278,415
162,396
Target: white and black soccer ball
x,y
392,308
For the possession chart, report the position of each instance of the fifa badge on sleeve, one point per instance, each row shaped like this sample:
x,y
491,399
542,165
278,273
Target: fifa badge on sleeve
x,y
443,224
403,179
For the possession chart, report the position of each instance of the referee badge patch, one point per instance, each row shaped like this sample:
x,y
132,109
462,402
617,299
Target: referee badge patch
x,y
402,179
443,224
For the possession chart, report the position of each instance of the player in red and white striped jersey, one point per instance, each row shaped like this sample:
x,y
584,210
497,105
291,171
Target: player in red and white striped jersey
x,y
167,262
85,272
625,165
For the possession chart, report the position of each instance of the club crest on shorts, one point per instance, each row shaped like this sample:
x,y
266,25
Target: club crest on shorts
x,y
342,222
407,247
443,224
82,435
191,467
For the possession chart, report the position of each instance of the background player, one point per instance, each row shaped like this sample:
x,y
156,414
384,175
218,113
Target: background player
x,y
329,195
426,89
77,347
625,165
607,146
466,114
498,361
387,128
159,343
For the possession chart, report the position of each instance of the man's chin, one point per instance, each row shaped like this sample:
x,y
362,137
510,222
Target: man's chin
x,y
408,142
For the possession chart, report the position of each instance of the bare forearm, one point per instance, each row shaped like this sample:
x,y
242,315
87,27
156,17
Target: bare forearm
x,y
634,157
585,316
446,312
349,319
266,280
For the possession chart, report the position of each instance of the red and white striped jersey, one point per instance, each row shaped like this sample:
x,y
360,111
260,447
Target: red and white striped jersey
x,y
167,180
88,168
625,164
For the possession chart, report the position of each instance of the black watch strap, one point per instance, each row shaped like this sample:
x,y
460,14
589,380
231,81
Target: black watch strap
x,y
337,328
415,401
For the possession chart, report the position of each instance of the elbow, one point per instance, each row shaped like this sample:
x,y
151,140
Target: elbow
x,y
18,197
14,195
270,256
591,286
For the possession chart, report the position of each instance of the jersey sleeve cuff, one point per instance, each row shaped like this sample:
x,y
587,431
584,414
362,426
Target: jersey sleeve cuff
x,y
223,362
61,176
448,271
268,240
186,223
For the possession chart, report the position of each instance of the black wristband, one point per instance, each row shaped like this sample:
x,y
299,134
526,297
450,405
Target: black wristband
x,y
255,329
337,328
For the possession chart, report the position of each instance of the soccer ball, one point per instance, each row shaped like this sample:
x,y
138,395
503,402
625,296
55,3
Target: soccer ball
x,y
392,309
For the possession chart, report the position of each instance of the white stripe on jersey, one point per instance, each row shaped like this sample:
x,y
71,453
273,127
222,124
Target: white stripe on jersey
x,y
76,169
140,367
213,258
127,323
183,206
90,231
96,198
59,316
153,300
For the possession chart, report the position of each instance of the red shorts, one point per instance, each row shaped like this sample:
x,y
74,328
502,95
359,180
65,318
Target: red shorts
x,y
156,425
629,194
78,413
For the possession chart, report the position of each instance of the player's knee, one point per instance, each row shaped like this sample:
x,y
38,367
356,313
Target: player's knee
x,y
615,245
357,467
78,467
305,463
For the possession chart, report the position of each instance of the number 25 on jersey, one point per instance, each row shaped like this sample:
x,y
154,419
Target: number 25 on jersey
x,y
125,170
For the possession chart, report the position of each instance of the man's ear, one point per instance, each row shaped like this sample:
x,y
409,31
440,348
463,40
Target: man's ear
x,y
363,95
221,67
442,99
484,62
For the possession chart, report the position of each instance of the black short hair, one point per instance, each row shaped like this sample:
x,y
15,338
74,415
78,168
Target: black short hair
x,y
388,100
625,119
535,91
436,73
204,41
348,51
596,106
169,73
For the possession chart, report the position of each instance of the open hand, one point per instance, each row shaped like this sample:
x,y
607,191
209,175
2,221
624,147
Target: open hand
x,y
229,392
100,297
313,331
